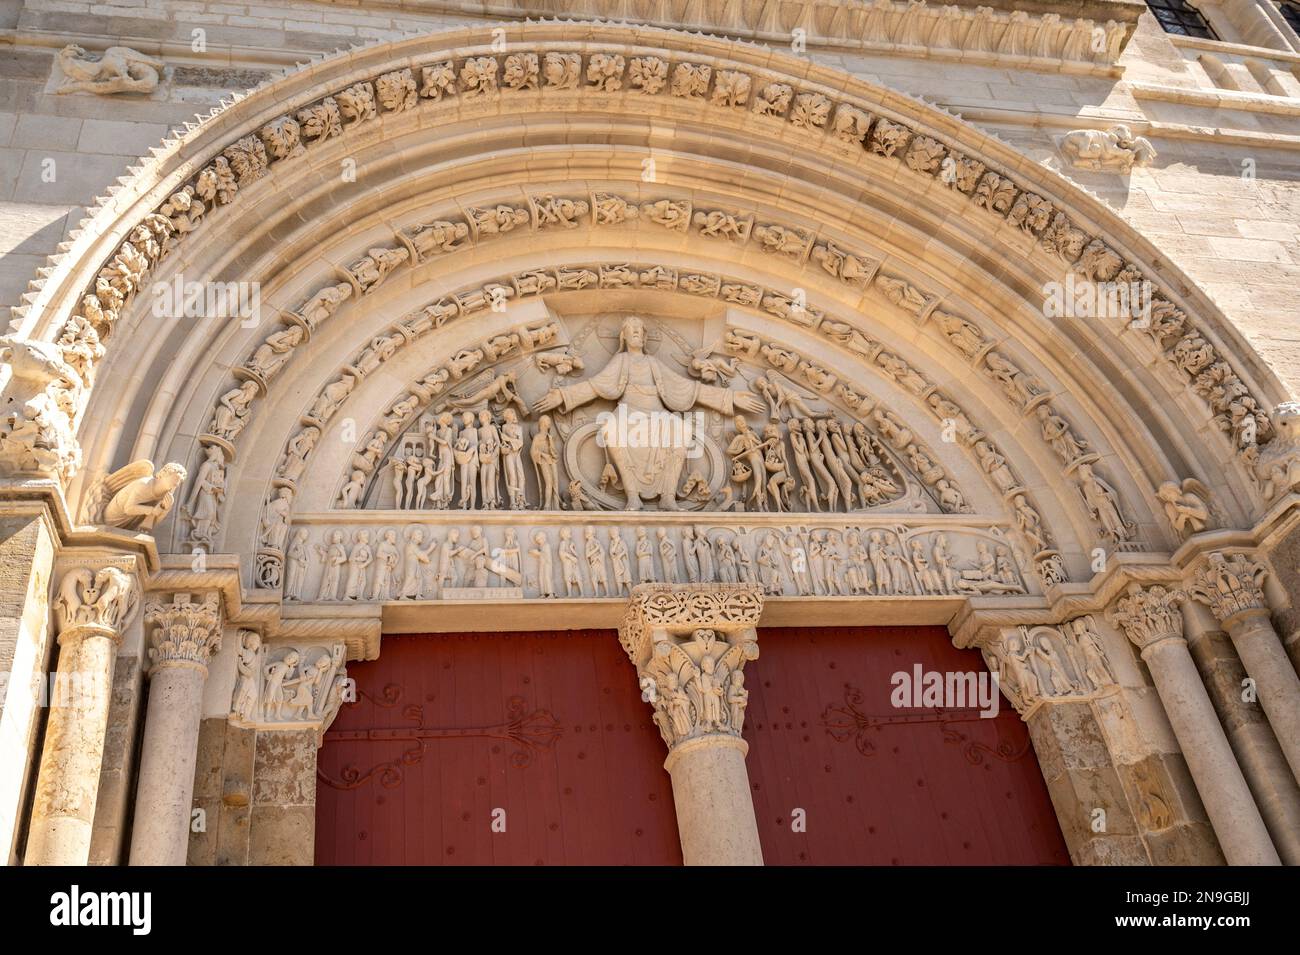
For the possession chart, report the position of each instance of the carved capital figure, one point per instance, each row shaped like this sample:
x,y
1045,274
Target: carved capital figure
x,y
1230,585
285,686
187,632
1049,664
690,645
1150,615
100,598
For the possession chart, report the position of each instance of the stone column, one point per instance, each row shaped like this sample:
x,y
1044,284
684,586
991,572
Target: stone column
x,y
1232,588
1252,739
1152,620
93,605
186,633
690,645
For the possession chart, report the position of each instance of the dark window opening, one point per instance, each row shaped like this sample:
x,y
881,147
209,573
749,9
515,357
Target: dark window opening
x,y
1177,16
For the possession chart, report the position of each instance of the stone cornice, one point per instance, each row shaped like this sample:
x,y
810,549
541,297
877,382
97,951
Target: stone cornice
x,y
1041,33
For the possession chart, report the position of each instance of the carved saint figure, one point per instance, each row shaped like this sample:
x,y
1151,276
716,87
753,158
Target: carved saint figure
x,y
545,452
645,389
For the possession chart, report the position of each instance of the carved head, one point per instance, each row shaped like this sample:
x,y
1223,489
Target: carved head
x,y
173,475
632,336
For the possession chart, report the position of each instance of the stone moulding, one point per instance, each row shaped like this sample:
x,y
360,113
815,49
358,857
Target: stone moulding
x,y
854,126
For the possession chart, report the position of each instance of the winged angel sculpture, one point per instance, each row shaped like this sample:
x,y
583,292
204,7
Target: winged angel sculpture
x,y
698,687
133,497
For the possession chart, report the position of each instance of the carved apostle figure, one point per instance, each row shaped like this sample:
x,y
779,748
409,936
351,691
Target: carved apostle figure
x,y
545,453
646,390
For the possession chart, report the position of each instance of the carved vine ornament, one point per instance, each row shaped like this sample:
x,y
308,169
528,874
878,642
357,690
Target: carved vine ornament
x,y
52,380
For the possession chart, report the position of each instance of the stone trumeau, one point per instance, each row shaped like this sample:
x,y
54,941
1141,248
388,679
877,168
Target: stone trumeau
x,y
371,366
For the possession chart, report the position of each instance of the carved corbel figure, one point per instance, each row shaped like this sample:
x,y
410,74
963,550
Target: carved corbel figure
x,y
1115,150
119,69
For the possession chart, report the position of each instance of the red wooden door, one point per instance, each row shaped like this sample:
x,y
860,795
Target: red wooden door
x,y
880,785
544,732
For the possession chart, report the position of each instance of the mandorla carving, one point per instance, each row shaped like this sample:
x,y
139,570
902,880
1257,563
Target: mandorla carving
x,y
134,497
288,687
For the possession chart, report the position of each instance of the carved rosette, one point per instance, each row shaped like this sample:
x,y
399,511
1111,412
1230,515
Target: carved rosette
x,y
1231,586
1150,615
188,630
1049,664
690,645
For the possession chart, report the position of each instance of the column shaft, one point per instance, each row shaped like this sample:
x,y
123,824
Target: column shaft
x,y
1222,788
160,835
185,634
715,811
1267,664
67,786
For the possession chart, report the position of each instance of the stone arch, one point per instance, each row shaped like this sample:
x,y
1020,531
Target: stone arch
x,y
951,211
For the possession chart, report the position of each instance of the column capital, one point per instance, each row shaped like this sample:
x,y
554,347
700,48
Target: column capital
x,y
683,608
284,686
1230,585
690,645
1049,664
1150,615
95,595
188,630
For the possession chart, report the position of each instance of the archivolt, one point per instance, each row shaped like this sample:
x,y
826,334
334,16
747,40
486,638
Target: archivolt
x,y
769,101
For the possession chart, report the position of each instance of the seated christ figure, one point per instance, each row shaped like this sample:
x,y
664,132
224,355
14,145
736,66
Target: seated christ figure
x,y
649,434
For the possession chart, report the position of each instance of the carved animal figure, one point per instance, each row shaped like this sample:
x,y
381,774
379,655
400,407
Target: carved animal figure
x,y
119,70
